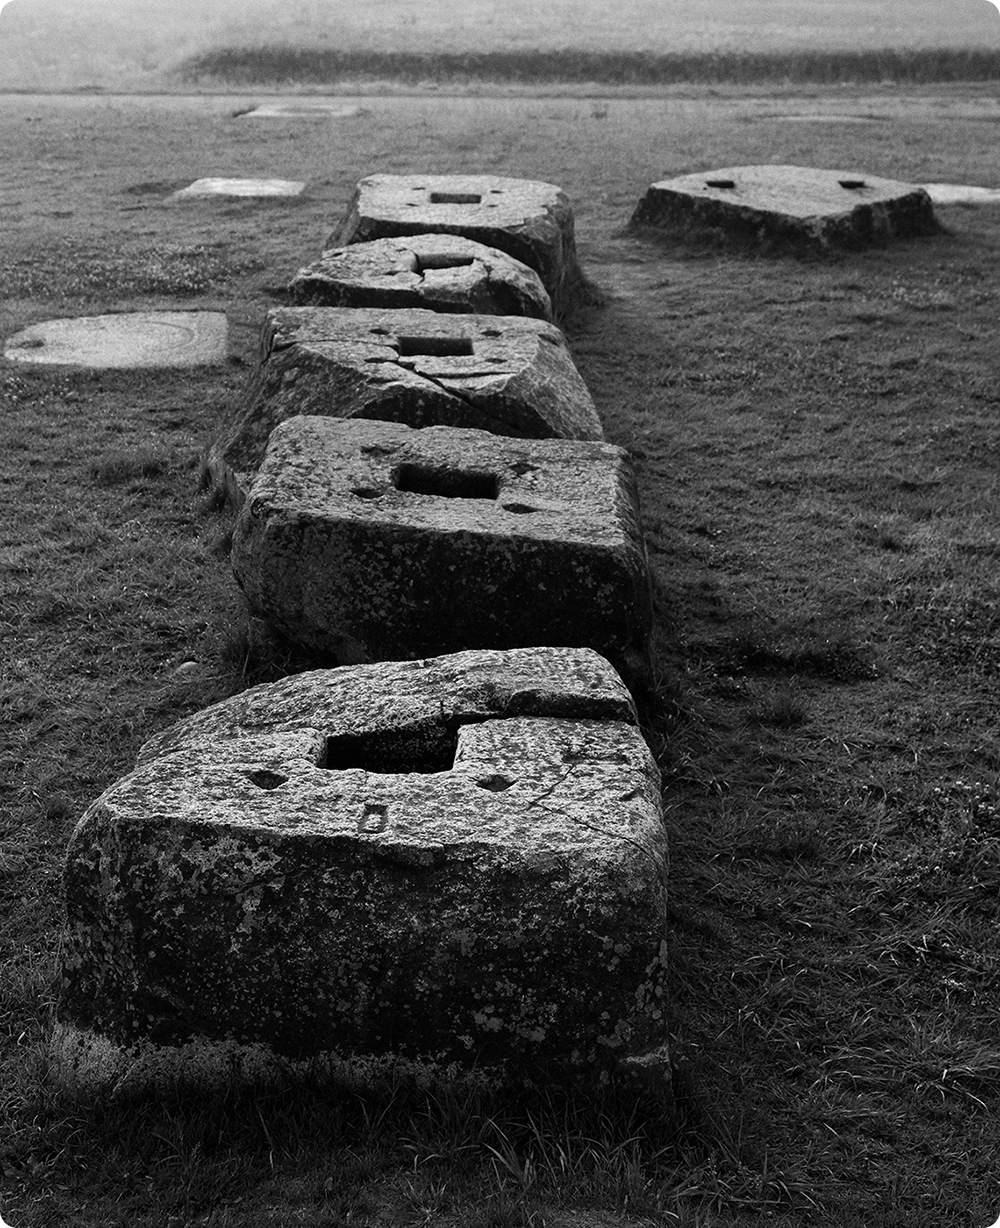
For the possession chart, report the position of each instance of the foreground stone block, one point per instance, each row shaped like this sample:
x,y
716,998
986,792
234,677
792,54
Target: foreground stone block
x,y
531,221
788,206
370,541
505,374
128,339
458,861
437,272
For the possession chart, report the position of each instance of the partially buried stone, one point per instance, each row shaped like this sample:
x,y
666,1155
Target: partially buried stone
x,y
125,339
506,374
457,861
530,220
439,272
370,541
794,207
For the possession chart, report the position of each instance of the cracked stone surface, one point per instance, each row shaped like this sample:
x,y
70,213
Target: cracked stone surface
x,y
788,206
507,374
530,220
438,272
370,541
459,860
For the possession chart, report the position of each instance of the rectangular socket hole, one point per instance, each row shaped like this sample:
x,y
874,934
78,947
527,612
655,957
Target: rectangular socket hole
x,y
446,483
438,347
390,752
455,198
443,260
720,183
852,183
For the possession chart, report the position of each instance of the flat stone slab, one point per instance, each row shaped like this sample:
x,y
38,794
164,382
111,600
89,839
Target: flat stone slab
x,y
301,110
126,339
437,272
788,206
507,374
530,220
366,540
826,118
961,194
454,861
240,187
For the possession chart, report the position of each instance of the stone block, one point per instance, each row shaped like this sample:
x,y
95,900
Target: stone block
x,y
507,374
301,110
788,206
459,861
125,339
961,194
371,541
438,272
531,221
239,187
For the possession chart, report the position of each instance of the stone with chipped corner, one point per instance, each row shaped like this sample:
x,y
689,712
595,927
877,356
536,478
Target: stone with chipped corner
x,y
457,861
507,374
788,206
530,220
439,272
365,540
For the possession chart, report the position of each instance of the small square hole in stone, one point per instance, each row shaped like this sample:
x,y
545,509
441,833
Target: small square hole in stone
x,y
851,184
437,347
720,183
446,483
455,198
442,260
392,751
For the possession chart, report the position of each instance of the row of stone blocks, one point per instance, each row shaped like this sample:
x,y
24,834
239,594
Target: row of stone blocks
x,y
457,858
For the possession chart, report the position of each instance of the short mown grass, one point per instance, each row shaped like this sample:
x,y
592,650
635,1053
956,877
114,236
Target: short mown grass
x,y
816,444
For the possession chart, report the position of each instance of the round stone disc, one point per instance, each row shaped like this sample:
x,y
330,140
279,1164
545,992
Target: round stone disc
x,y
128,339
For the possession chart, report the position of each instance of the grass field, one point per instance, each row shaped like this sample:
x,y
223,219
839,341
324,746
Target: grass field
x,y
817,445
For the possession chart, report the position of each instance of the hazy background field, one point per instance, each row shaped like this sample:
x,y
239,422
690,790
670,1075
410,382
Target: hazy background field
x,y
138,44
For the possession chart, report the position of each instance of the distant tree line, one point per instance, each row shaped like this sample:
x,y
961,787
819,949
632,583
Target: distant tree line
x,y
320,66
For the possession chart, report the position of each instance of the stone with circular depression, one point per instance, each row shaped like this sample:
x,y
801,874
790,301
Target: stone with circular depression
x,y
126,339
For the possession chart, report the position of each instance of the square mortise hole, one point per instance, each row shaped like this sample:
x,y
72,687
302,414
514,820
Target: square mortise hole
x,y
446,483
852,184
443,260
392,751
720,183
437,347
456,198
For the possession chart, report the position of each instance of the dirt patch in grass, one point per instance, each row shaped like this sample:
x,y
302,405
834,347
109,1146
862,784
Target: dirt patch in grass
x,y
817,447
